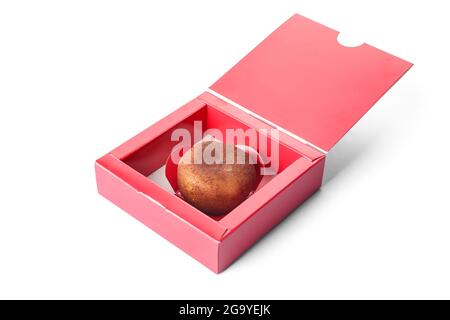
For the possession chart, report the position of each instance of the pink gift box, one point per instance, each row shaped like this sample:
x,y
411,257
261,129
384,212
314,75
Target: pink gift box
x,y
299,80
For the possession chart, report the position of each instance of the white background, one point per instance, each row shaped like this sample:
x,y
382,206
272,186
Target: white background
x,y
77,78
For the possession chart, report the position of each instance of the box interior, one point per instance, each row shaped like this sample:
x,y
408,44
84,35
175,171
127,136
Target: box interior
x,y
150,159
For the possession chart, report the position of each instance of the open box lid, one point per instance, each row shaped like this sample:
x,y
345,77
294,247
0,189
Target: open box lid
x,y
303,81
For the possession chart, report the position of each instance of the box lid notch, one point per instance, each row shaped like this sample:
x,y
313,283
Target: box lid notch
x,y
301,79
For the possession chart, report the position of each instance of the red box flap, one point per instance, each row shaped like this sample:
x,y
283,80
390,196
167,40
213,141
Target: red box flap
x,y
302,80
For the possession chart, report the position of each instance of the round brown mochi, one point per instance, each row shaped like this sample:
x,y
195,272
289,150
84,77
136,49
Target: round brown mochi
x,y
212,184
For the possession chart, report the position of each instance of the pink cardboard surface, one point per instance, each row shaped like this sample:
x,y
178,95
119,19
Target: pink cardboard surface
x,y
299,78
302,80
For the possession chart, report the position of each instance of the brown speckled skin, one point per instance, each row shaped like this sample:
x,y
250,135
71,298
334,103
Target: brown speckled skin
x,y
215,189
